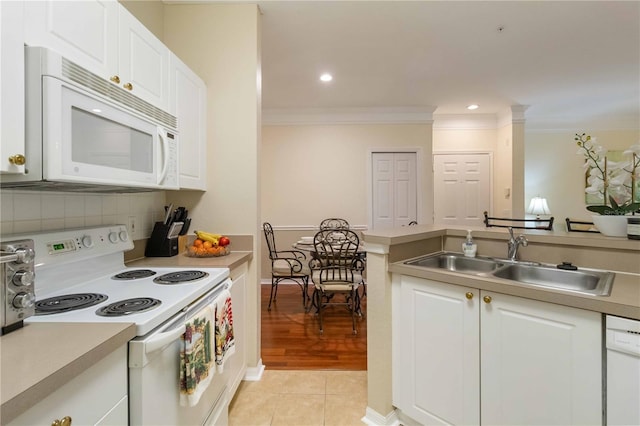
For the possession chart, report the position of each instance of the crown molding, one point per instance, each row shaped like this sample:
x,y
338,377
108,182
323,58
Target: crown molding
x,y
464,121
391,115
573,124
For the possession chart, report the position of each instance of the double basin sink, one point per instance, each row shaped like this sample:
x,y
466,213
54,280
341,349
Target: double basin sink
x,y
585,281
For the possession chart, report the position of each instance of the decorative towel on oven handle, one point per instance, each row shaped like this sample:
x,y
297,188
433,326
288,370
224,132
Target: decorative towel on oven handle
x,y
197,357
224,341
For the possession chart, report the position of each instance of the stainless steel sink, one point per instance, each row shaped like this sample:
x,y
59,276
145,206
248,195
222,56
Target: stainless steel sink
x,y
457,263
584,281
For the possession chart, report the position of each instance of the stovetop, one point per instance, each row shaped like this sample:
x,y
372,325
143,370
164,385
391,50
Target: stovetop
x,y
173,297
86,260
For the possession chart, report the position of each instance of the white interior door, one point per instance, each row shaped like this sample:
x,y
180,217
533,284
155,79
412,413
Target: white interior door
x,y
394,189
462,188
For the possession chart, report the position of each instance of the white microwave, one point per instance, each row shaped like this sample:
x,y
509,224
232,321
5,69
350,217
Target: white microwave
x,y
85,133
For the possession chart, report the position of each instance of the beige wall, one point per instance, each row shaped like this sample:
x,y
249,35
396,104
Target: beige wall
x,y
311,172
464,140
149,12
221,43
554,169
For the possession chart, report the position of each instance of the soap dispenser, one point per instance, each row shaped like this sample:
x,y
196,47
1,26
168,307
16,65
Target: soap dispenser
x,y
469,248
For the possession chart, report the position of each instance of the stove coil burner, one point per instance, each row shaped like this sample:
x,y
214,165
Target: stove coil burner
x,y
134,274
180,277
68,302
128,307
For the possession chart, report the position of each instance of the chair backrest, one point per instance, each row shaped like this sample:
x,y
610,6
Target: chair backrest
x,y
336,254
334,223
269,237
503,222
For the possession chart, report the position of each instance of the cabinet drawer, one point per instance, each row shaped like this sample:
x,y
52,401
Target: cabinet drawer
x,y
88,398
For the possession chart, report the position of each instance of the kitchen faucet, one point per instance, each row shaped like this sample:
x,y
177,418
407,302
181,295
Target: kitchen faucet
x,y
514,243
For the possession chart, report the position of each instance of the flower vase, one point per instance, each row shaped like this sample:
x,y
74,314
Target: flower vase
x,y
611,225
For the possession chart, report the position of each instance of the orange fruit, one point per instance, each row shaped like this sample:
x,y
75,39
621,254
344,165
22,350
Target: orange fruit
x,y
211,250
197,242
207,244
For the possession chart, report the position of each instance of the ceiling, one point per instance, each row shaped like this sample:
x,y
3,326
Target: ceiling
x,y
569,60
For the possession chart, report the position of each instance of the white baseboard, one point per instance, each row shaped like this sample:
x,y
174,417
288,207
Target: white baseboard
x,y
254,374
372,417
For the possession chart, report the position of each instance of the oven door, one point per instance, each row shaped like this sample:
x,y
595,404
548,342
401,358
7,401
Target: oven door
x,y
91,140
154,379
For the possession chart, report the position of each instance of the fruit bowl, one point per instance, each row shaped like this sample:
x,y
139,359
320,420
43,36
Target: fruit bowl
x,y
192,251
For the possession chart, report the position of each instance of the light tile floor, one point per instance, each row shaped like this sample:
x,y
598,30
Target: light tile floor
x,y
301,398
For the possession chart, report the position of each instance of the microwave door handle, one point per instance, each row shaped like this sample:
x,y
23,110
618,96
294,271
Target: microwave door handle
x,y
165,157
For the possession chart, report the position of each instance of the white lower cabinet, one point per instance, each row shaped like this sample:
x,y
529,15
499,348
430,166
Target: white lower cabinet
x,y
466,356
238,362
97,396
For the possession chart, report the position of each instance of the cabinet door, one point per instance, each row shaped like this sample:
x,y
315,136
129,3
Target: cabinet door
x,y
11,87
438,359
94,396
188,102
541,363
85,32
238,362
143,61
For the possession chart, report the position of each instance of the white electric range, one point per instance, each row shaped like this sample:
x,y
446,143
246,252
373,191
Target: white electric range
x,y
80,276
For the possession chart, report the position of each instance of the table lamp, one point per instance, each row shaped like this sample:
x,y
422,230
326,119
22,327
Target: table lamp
x,y
538,206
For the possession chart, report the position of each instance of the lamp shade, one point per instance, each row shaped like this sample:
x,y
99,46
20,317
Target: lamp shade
x,y
538,206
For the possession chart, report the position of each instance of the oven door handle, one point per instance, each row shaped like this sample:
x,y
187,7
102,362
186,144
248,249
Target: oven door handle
x,y
161,339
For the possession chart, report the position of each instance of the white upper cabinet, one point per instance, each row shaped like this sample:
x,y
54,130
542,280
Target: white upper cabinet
x,y
188,102
85,32
143,61
12,148
103,37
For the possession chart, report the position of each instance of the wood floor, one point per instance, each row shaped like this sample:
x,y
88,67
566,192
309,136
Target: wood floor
x,y
291,338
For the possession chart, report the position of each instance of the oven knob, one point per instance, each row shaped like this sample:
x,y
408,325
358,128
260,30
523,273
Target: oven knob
x,y
24,255
124,236
24,300
23,278
87,241
113,237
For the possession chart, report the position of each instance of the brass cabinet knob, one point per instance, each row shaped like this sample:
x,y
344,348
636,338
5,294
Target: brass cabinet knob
x,y
17,159
487,299
115,79
128,86
469,295
66,421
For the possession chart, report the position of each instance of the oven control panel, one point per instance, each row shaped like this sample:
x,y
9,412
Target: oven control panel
x,y
69,245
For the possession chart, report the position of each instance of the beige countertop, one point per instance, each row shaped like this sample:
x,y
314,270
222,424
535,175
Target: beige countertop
x,y
231,261
625,295
624,300
40,357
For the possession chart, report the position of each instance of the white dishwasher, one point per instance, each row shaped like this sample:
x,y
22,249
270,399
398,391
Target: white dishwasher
x,y
623,371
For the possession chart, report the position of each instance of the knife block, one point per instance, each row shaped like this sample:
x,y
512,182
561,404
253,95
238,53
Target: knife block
x,y
160,244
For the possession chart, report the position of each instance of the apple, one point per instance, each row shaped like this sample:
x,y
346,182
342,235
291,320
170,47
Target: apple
x,y
224,241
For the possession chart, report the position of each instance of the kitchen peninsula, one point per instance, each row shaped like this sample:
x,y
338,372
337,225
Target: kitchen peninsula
x,y
388,249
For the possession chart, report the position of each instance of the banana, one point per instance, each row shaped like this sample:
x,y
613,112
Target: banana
x,y
207,236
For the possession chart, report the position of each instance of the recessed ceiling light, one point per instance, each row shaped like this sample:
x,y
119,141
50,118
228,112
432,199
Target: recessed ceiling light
x,y
472,107
326,77
97,110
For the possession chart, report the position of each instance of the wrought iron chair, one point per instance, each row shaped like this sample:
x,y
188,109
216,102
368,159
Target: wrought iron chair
x,y
334,223
286,265
336,269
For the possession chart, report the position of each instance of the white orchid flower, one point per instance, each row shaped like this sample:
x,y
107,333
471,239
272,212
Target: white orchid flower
x,y
633,149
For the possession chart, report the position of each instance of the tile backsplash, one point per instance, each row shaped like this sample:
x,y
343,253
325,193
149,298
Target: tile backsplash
x,y
32,211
